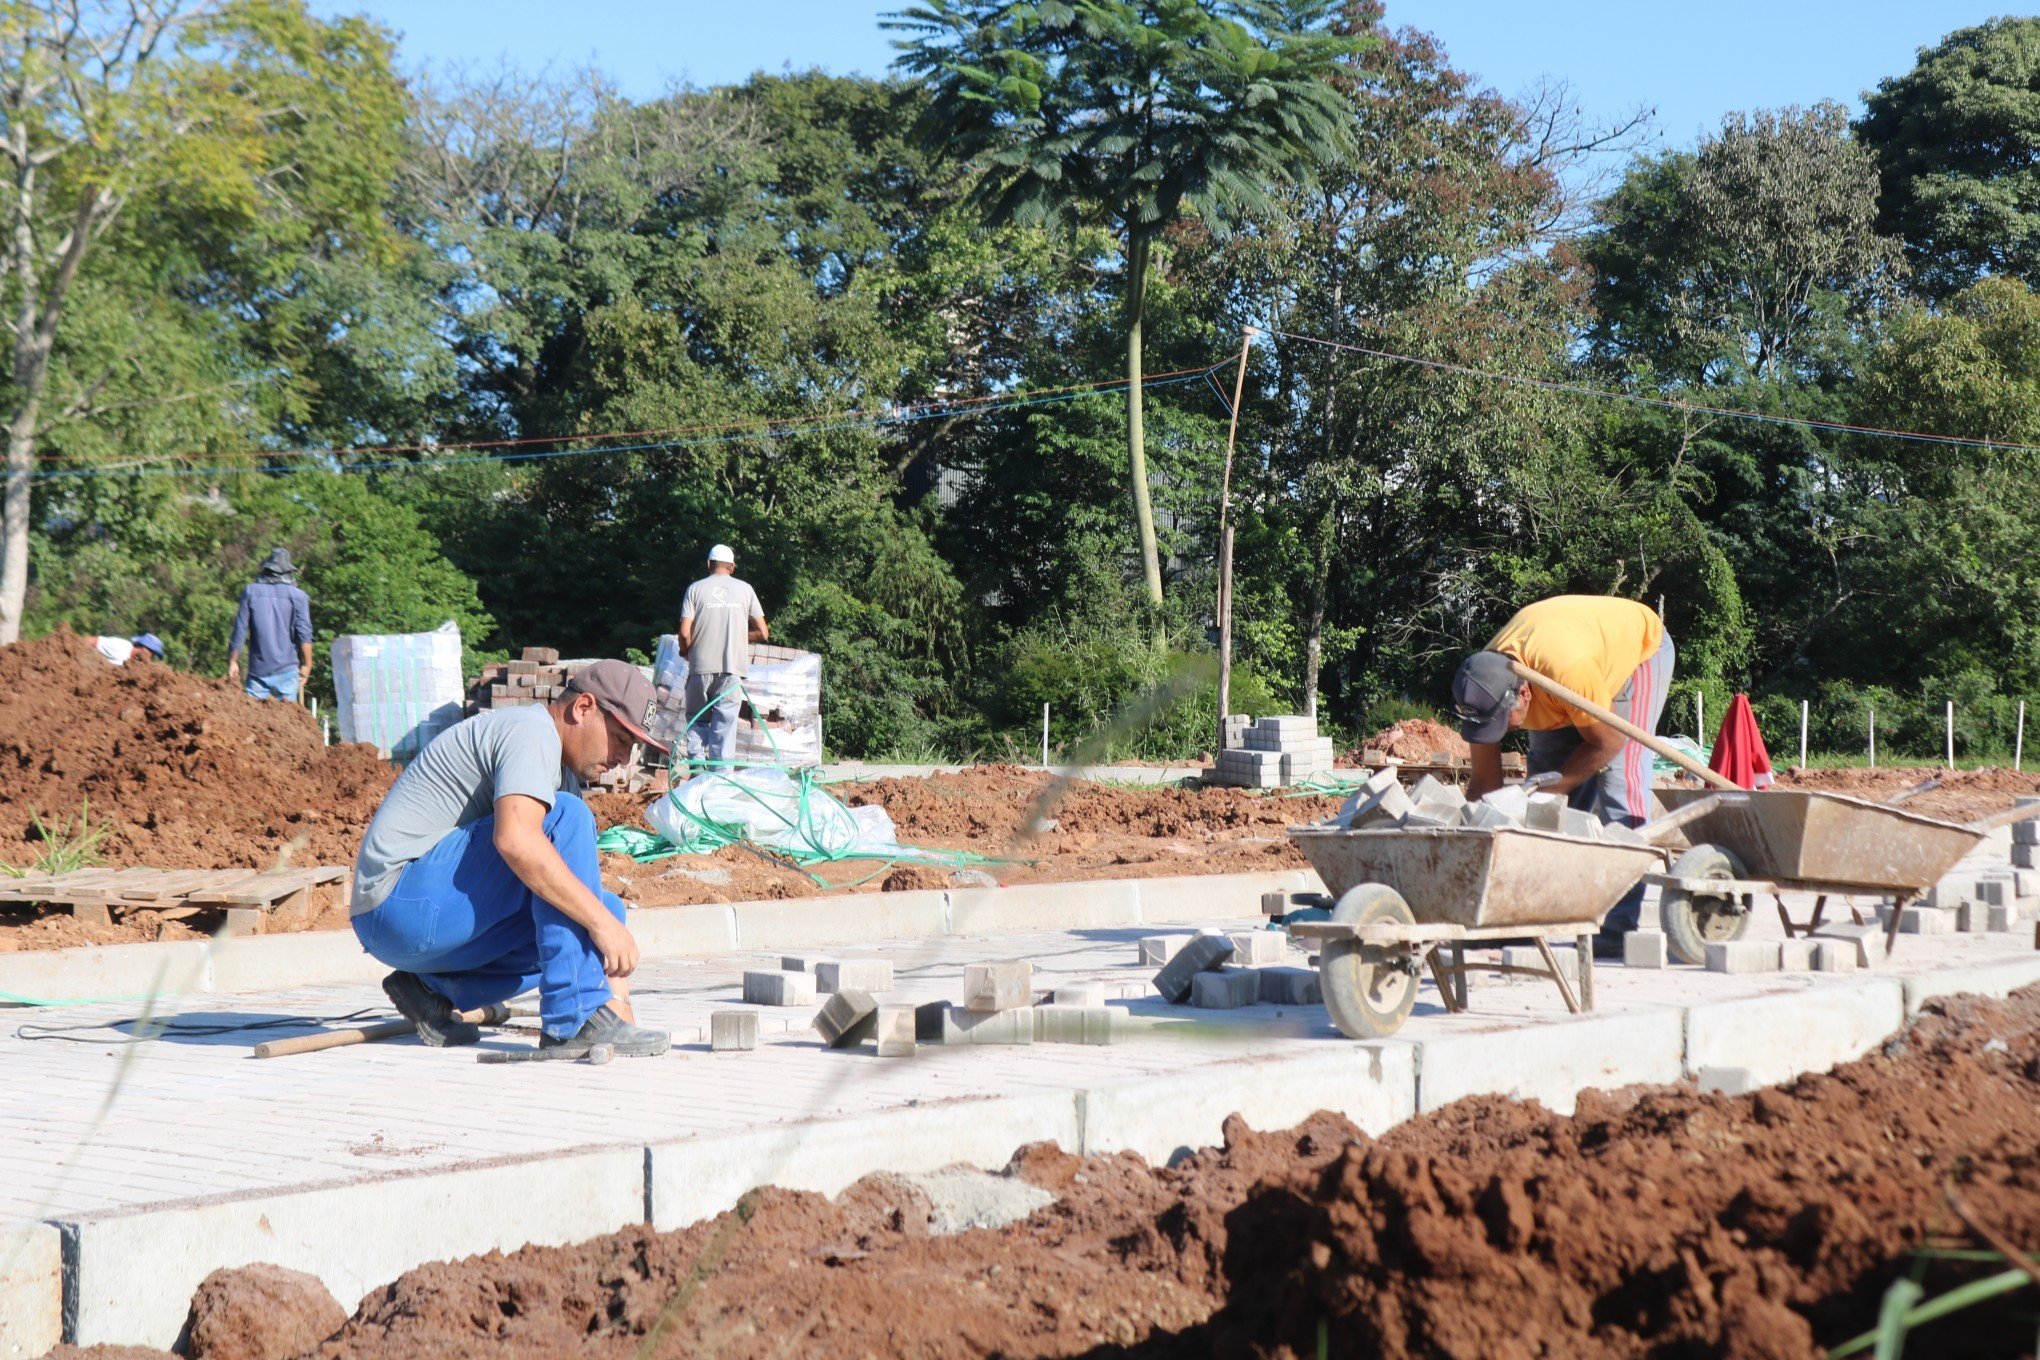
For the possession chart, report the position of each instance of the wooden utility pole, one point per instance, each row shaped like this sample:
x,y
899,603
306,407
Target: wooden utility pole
x,y
1225,542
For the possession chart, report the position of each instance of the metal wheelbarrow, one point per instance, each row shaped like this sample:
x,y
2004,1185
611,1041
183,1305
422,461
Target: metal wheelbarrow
x,y
1403,896
1778,840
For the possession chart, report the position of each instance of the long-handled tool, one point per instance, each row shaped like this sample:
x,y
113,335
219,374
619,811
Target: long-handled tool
x,y
497,1014
1627,728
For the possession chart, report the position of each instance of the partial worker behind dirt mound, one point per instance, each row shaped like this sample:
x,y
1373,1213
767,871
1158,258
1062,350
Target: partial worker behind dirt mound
x,y
188,773
1761,1227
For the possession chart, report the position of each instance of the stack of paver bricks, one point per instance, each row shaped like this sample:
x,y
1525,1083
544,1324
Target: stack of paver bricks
x,y
1382,803
537,677
1273,752
2026,838
1225,971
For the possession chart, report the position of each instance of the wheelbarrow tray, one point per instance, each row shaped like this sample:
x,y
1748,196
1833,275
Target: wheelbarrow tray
x,y
1804,836
1478,878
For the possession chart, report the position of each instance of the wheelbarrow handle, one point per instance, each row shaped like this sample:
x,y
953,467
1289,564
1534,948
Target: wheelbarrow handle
x,y
1625,727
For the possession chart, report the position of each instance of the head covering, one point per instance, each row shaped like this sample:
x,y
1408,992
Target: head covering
x,y
278,566
1739,752
721,553
151,641
622,691
1484,695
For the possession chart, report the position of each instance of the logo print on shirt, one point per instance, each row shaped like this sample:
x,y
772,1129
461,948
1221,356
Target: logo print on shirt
x,y
720,594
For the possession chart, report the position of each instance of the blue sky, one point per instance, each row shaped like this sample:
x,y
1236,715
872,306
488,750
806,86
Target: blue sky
x,y
1693,63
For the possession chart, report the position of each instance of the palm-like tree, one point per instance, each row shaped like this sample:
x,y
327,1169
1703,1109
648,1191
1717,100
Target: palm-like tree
x,y
1129,112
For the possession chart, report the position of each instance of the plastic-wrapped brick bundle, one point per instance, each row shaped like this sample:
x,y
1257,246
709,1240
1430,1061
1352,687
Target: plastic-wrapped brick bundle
x,y
785,690
397,691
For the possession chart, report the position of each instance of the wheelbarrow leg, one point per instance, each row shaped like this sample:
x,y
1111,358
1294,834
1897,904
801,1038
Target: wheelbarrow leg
x,y
1441,975
1459,983
1584,947
1819,910
1784,917
1551,961
1899,903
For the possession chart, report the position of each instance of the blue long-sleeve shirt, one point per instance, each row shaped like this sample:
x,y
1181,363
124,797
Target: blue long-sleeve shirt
x,y
274,618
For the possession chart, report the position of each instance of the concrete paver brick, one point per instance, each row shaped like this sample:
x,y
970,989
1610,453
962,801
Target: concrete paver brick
x,y
1225,990
1646,949
779,988
1256,948
1289,986
730,1031
2024,854
804,963
861,975
1742,956
847,1018
1584,825
1861,938
1973,918
1921,920
1200,953
1835,956
1994,892
1059,1024
1949,893
1156,950
894,1029
2001,919
998,986
1795,956
1078,994
990,1027
1544,812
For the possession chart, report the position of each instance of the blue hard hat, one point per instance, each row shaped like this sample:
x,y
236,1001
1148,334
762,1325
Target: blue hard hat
x,y
151,641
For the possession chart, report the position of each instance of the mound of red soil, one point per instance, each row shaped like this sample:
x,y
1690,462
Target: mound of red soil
x,y
185,772
1414,739
1762,1227
1963,795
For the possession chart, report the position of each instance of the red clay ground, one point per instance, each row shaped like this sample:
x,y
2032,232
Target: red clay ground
x,y
1651,1223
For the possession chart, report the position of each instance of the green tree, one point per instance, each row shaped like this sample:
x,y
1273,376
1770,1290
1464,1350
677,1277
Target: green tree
x,y
1958,141
1128,112
256,118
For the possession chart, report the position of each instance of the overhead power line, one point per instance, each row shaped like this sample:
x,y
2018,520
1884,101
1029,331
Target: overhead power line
x,y
1663,403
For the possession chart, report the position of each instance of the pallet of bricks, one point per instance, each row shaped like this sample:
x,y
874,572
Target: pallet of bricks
x,y
1271,752
538,676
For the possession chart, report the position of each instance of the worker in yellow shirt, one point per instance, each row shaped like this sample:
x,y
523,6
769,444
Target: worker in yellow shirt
x,y
1614,652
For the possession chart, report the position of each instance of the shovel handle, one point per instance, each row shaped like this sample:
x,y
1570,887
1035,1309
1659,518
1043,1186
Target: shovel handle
x,y
1656,832
1625,727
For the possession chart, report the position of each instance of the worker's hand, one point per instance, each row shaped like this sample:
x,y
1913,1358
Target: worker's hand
x,y
304,678
619,950
233,670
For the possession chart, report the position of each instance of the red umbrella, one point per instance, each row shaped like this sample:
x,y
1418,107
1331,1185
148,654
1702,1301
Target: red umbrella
x,y
1739,752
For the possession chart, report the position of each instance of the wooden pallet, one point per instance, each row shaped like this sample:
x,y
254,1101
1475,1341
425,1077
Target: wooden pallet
x,y
250,898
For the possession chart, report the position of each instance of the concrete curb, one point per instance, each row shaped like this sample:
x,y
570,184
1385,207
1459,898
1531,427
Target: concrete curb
x,y
271,962
696,1178
1778,1037
31,1290
129,1276
1991,979
1553,1063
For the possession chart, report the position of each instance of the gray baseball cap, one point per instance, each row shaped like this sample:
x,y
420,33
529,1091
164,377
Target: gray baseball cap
x,y
622,692
1483,695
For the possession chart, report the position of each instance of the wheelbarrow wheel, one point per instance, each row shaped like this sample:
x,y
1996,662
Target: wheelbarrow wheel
x,y
1369,989
1691,921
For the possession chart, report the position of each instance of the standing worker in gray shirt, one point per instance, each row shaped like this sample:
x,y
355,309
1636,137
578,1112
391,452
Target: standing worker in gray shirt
x,y
719,620
275,619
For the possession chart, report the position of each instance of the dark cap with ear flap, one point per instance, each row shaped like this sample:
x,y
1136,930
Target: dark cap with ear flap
x,y
622,692
1483,695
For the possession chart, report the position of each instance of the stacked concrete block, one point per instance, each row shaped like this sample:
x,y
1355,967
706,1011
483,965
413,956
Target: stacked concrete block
x,y
863,975
1226,989
1290,986
536,677
1852,938
732,1031
1202,953
2000,919
782,988
1232,731
1920,920
1973,918
1273,752
1950,893
1381,801
1258,948
1156,950
1994,891
1795,956
1742,956
2025,838
1002,986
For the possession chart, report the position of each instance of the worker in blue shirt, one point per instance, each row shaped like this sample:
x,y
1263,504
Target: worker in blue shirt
x,y
275,620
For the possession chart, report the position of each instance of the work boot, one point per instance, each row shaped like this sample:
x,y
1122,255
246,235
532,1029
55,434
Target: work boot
x,y
439,1024
605,1026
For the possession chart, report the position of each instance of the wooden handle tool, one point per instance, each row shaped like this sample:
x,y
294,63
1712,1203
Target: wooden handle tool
x,y
497,1014
1626,728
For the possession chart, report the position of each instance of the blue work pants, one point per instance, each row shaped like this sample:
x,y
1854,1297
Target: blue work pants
x,y
460,919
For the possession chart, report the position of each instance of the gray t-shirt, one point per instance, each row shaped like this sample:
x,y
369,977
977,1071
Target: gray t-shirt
x,y
722,608
454,781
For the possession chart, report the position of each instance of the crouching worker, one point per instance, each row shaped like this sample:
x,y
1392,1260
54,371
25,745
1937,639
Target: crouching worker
x,y
478,878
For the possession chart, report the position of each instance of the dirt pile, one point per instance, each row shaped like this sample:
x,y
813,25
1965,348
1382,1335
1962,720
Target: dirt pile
x,y
1413,740
1763,1227
261,1312
1962,795
1038,828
